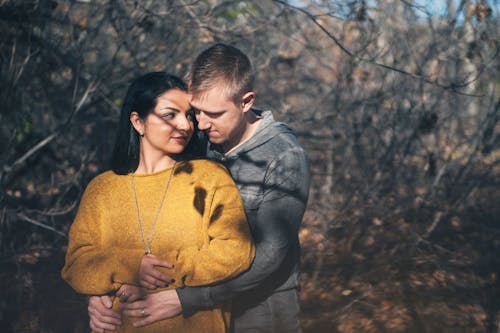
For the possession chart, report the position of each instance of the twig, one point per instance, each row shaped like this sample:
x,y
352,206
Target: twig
x,y
22,160
30,152
452,87
25,62
30,220
52,212
435,222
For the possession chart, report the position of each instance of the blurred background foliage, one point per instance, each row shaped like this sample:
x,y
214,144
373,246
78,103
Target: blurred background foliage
x,y
396,102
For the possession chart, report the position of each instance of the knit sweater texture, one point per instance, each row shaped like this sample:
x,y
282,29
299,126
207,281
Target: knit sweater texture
x,y
201,229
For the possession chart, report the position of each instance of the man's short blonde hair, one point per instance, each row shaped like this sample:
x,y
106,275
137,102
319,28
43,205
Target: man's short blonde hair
x,y
222,65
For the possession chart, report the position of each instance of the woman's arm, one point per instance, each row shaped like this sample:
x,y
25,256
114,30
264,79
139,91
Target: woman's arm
x,y
228,249
91,267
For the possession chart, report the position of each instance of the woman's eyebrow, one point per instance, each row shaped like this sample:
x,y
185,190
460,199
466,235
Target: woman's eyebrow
x,y
169,108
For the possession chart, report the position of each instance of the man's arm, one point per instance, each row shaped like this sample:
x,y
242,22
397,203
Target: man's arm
x,y
278,220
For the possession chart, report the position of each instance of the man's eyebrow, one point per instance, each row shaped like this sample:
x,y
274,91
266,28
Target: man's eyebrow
x,y
206,111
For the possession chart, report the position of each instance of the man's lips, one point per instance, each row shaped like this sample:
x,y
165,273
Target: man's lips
x,y
210,132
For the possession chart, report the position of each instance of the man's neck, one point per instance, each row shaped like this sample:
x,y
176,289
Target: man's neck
x,y
252,123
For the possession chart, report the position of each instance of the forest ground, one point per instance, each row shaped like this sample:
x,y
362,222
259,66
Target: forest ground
x,y
378,276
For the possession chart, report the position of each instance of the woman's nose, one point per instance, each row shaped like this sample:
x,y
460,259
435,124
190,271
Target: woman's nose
x,y
184,124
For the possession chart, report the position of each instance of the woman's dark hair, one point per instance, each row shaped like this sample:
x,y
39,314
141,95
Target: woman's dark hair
x,y
141,97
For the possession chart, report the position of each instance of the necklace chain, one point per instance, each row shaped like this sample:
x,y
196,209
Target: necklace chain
x,y
147,246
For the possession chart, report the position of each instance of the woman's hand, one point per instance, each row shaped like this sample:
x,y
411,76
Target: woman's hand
x,y
102,317
129,293
149,276
154,307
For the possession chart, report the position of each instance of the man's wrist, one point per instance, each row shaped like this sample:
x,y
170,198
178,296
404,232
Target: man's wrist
x,y
193,299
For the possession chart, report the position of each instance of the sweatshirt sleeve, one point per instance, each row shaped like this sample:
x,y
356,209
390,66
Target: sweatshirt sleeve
x,y
90,267
277,223
227,249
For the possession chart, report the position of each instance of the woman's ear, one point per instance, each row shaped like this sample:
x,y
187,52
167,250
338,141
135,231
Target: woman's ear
x,y
247,101
137,123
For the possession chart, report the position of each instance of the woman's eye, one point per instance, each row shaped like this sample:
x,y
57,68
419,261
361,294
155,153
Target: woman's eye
x,y
169,115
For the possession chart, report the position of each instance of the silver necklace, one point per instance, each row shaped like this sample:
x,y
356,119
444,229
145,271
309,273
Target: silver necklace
x,y
147,246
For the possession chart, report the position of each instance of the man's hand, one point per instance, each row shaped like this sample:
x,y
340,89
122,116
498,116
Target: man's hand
x,y
150,277
155,307
100,313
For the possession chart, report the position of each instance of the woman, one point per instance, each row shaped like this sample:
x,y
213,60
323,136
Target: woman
x,y
157,202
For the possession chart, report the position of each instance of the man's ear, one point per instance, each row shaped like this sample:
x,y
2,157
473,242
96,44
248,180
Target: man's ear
x,y
137,123
247,101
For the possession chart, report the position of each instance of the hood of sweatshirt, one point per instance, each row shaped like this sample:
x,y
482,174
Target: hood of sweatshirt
x,y
267,129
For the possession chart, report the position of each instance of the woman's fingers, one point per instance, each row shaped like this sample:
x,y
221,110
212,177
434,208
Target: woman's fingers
x,y
163,277
124,297
147,285
100,327
102,317
130,293
150,276
152,260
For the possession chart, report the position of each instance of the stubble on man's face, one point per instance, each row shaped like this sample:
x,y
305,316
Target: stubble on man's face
x,y
219,117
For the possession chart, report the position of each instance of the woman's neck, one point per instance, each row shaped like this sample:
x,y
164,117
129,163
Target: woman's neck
x,y
155,164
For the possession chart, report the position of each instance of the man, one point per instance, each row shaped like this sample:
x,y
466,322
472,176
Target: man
x,y
270,169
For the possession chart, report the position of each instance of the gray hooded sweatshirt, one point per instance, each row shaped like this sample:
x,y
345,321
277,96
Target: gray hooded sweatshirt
x,y
271,171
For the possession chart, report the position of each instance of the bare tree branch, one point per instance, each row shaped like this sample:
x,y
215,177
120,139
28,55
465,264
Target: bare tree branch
x,y
452,87
41,225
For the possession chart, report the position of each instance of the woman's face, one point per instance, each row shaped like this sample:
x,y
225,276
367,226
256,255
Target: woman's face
x,y
169,127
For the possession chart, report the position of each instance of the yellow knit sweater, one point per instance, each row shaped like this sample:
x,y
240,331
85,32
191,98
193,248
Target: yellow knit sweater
x,y
201,229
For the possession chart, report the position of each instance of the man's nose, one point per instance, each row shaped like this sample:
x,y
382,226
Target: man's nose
x,y
203,123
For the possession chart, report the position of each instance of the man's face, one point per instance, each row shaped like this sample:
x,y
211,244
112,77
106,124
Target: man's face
x,y
219,117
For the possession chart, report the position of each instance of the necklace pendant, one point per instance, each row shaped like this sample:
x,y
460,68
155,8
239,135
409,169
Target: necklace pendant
x,y
147,245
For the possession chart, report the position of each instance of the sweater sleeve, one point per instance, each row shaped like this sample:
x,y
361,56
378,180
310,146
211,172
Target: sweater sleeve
x,y
277,223
90,267
228,249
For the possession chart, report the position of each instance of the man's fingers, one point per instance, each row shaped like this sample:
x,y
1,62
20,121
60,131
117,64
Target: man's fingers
x,y
138,313
143,322
134,306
